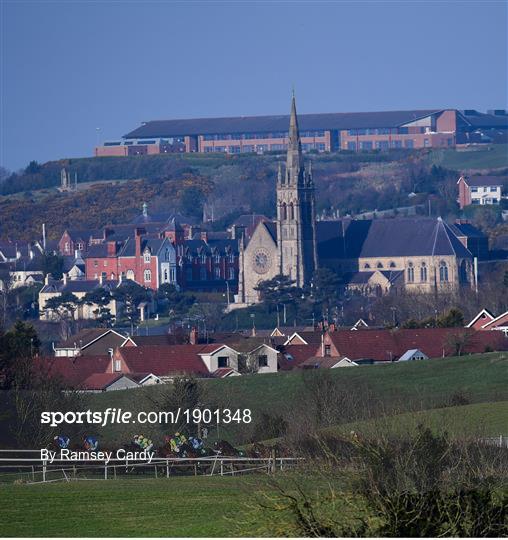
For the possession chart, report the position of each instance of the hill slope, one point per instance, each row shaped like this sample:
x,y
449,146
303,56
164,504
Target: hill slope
x,y
388,389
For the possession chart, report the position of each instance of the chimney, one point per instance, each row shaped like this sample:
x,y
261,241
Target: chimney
x,y
44,236
111,248
107,232
64,278
110,352
137,238
193,336
101,279
46,279
204,236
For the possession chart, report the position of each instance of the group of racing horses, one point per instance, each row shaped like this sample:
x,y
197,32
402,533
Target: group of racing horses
x,y
175,446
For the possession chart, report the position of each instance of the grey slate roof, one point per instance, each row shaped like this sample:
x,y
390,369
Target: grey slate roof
x,y
481,120
196,247
466,229
276,123
84,234
77,286
486,180
399,237
152,243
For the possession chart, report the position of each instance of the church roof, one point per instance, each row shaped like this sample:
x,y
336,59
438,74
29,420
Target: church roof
x,y
399,237
271,227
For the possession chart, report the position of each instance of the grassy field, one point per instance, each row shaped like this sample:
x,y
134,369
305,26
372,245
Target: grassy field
x,y
405,387
478,419
178,507
488,157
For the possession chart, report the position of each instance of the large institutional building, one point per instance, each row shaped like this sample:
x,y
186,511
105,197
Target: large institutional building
x,y
422,254
327,132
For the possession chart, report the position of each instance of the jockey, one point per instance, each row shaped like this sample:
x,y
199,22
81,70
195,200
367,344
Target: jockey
x,y
90,443
62,441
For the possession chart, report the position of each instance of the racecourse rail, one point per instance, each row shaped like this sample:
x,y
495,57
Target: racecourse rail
x,y
14,466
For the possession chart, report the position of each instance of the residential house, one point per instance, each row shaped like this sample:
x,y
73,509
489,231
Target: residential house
x,y
73,240
481,319
79,288
93,373
90,341
167,362
254,354
480,190
390,345
486,321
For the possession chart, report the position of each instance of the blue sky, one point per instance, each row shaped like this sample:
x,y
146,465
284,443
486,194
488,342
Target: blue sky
x,y
69,67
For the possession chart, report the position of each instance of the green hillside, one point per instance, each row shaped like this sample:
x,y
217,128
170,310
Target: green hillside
x,y
477,419
488,157
394,388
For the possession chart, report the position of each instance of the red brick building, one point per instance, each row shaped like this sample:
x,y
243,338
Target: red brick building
x,y
325,132
146,259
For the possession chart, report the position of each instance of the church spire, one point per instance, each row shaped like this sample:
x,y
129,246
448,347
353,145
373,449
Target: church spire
x,y
294,163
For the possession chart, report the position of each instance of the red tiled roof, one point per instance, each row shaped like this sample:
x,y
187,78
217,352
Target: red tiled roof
x,y
100,381
166,360
434,342
74,370
293,355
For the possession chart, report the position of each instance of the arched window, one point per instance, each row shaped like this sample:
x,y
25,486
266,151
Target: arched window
x,y
410,273
379,265
167,254
147,275
130,274
423,272
443,271
216,272
291,211
366,265
147,256
284,211
392,264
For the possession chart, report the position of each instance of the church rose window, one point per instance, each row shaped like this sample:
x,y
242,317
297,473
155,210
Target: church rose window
x,y
261,261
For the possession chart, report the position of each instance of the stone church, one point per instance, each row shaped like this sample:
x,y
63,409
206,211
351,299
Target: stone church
x,y
417,253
